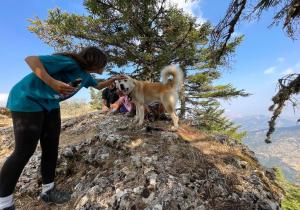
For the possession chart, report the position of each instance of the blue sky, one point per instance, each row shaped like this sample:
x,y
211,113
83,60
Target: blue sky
x,y
264,56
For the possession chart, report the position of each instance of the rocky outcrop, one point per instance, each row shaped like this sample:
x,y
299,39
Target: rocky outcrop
x,y
116,168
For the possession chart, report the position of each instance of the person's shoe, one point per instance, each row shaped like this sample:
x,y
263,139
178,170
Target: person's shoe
x,y
55,196
9,208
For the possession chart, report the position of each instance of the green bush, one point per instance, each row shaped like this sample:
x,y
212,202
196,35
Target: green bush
x,y
291,200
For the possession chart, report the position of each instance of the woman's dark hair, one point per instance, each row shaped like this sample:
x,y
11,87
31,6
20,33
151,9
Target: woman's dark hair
x,y
88,57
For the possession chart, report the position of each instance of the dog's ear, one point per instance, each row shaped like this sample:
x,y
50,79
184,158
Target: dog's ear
x,y
117,83
131,79
128,77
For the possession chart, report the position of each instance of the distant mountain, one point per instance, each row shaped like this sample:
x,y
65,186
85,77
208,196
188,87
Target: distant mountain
x,y
259,122
284,151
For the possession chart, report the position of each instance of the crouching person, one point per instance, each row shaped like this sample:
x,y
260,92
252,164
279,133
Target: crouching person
x,y
109,97
122,105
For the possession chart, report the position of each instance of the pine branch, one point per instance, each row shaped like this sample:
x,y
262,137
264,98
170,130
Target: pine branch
x,y
288,86
224,30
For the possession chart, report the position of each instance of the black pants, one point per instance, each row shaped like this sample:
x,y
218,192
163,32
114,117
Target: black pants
x,y
29,128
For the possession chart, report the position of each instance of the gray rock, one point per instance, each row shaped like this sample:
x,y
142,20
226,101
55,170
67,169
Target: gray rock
x,y
169,136
103,172
68,152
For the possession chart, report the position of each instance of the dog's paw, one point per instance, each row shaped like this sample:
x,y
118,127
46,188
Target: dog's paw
x,y
135,120
139,126
132,126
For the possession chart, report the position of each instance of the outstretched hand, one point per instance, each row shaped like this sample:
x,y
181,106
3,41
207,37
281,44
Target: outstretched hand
x,y
61,87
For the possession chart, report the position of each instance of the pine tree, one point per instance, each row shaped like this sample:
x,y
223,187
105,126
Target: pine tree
x,y
144,36
210,117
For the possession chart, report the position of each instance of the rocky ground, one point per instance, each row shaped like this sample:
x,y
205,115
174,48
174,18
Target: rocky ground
x,y
106,166
5,118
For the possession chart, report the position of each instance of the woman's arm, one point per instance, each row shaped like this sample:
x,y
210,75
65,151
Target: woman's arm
x,y
106,83
37,67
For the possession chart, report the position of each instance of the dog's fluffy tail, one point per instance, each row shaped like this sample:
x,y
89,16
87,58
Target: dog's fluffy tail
x,y
175,72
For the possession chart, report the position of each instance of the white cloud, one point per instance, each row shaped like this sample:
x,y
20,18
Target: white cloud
x,y
292,69
280,59
3,99
185,5
270,70
288,71
191,7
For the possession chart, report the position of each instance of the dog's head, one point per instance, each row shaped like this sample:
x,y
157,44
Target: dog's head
x,y
125,85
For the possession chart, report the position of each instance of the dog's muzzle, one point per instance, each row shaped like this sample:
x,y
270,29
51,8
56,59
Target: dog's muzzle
x,y
123,89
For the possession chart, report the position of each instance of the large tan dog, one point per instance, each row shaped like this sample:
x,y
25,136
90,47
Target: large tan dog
x,y
143,93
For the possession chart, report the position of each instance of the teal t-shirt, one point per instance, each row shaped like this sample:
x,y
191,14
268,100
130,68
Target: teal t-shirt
x,y
31,94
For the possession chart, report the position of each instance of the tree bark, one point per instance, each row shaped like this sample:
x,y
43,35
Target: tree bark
x,y
182,97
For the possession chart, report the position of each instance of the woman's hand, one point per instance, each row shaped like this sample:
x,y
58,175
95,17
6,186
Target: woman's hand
x,y
119,77
108,82
61,87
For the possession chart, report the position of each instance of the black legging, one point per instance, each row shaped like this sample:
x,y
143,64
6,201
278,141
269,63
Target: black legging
x,y
29,128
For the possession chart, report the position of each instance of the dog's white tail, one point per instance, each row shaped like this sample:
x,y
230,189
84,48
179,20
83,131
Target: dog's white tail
x,y
175,72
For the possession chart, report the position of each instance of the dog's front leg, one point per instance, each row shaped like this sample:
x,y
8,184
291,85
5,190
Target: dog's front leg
x,y
141,114
136,117
175,121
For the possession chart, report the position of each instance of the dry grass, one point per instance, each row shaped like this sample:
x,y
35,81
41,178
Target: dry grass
x,y
191,134
69,108
5,121
74,108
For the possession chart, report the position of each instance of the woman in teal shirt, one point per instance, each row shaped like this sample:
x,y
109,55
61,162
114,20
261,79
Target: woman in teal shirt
x,y
34,104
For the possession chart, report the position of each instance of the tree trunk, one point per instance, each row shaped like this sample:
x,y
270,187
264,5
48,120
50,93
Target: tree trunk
x,y
182,97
